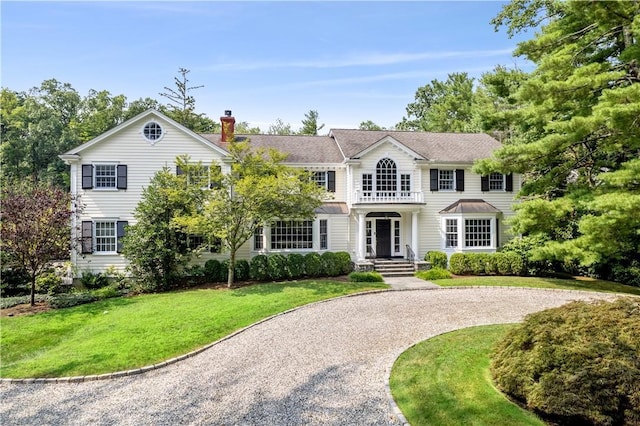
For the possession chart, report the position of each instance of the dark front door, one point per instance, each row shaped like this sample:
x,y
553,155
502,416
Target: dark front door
x,y
383,238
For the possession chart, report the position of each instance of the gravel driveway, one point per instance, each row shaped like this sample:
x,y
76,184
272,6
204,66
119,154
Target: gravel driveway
x,y
325,363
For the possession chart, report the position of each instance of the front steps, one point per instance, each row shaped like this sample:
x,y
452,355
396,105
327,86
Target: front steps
x,y
394,267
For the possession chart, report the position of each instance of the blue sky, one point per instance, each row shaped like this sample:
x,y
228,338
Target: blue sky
x,y
350,61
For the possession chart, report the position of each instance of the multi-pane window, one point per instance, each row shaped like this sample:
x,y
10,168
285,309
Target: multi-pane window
x,y
152,131
105,237
451,233
367,184
405,185
320,178
396,236
257,238
324,235
446,180
496,182
386,177
369,239
105,176
477,232
292,234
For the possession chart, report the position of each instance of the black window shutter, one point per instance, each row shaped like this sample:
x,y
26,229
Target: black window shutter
x,y
122,177
179,171
509,182
87,176
86,240
484,183
434,179
120,231
331,181
497,232
459,180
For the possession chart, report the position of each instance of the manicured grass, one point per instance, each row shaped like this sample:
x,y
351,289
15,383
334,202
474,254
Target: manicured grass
x,y
446,381
126,333
578,283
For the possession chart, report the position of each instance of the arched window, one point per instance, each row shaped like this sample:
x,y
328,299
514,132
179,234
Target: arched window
x,y
386,177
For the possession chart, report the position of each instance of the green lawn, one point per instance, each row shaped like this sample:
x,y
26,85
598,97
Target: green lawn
x,y
446,381
578,283
131,332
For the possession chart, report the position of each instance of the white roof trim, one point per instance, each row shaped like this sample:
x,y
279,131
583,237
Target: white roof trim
x,y
150,112
391,140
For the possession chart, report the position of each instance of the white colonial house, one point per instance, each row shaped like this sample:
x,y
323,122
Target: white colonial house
x,y
390,194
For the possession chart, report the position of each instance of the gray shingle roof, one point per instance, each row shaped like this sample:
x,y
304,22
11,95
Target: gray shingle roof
x,y
470,206
444,147
301,149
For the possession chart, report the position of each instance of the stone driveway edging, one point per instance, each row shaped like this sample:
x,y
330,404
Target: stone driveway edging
x,y
141,370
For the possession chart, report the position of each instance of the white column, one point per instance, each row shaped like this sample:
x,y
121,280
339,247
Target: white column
x,y
361,237
414,234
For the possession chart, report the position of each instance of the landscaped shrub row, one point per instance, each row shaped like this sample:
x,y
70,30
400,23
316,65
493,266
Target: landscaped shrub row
x,y
500,263
368,277
278,266
576,364
434,274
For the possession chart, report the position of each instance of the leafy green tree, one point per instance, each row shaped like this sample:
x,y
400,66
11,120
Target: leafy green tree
x,y
280,128
35,228
100,112
578,132
310,124
154,244
257,190
442,106
141,105
370,125
244,128
182,105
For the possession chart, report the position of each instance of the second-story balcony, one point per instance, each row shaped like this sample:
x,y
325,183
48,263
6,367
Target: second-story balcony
x,y
387,197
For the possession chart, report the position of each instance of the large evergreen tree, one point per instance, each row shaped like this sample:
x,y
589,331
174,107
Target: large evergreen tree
x,y
578,130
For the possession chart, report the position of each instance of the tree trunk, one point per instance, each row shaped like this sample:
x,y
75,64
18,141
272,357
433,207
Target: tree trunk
x,y
232,268
33,290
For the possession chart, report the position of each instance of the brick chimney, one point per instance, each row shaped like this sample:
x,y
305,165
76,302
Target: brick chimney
x,y
228,126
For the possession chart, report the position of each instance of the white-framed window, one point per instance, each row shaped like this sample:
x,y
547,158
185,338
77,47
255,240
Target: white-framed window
x,y
405,185
477,232
451,233
367,184
320,178
496,182
258,242
324,234
369,237
386,177
292,234
105,237
446,180
105,176
152,131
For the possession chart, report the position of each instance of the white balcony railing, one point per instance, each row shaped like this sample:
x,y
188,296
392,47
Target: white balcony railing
x,y
388,197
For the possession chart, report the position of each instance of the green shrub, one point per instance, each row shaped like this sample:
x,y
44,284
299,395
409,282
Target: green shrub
x,y
576,364
459,264
91,281
242,270
433,274
369,277
477,262
503,263
313,264
516,264
14,282
224,271
277,266
628,274
71,299
258,268
330,264
491,267
295,264
437,259
212,270
50,283
523,247
105,292
344,260
8,302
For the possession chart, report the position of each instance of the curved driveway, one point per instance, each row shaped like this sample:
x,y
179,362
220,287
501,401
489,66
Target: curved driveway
x,y
325,363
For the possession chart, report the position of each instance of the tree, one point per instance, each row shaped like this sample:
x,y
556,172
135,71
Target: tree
x,y
258,190
442,106
35,228
244,128
310,124
578,133
279,128
370,125
100,112
182,105
154,244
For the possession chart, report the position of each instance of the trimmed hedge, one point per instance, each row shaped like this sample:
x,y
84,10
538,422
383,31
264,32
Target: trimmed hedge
x,y
344,260
433,274
296,265
277,266
259,268
369,277
437,259
576,364
459,264
500,263
330,264
313,265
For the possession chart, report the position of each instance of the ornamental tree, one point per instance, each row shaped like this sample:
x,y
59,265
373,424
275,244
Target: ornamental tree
x,y
35,228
